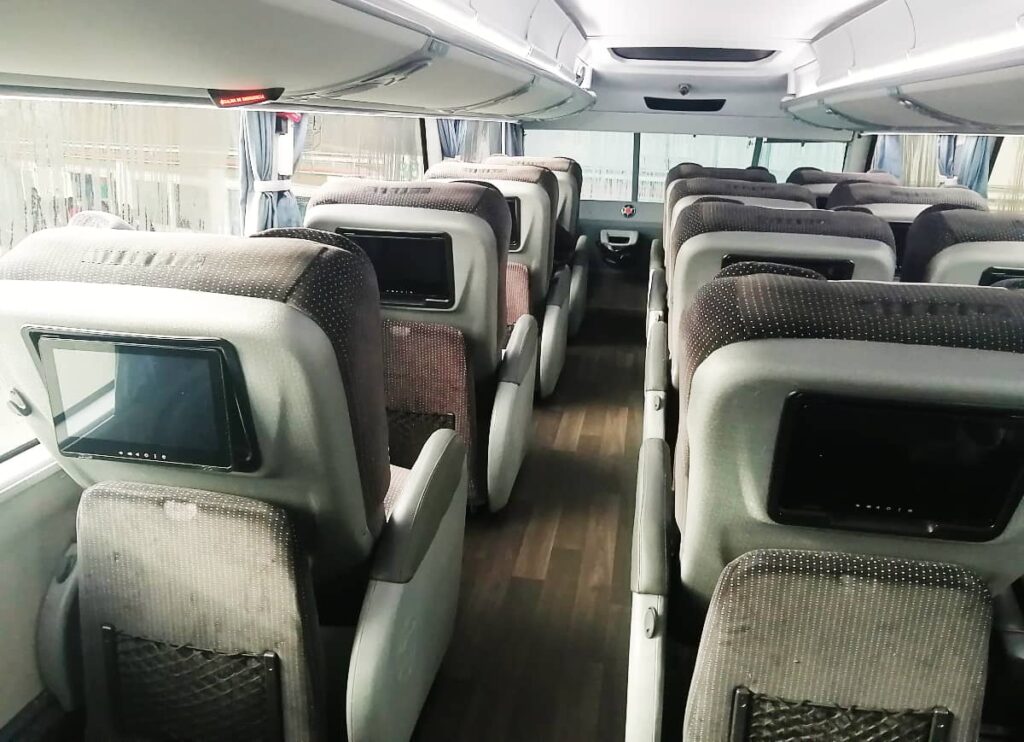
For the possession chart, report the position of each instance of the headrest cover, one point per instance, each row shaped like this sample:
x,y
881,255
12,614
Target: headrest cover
x,y
686,170
814,176
453,170
555,164
468,198
759,307
752,268
736,188
333,285
934,231
99,220
859,194
715,216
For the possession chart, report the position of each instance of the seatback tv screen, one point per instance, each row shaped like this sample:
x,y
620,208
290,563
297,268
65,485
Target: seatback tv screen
x,y
413,269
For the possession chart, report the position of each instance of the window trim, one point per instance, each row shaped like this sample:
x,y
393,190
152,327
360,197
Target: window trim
x,y
17,450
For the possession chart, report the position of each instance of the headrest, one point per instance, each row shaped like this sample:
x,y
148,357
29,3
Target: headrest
x,y
934,231
760,307
860,194
555,164
815,176
468,198
454,170
1015,284
739,189
99,220
330,281
715,216
686,170
752,268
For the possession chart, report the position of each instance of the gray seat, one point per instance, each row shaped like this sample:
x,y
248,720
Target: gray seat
x,y
685,170
709,235
209,580
964,246
534,191
834,647
901,205
821,182
440,252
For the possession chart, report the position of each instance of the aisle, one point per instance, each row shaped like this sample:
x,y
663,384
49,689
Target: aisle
x,y
540,647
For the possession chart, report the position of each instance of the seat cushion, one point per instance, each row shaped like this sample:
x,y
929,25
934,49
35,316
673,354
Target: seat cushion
x,y
858,632
517,294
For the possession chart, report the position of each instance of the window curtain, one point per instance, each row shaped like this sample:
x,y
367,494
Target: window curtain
x,y
265,199
482,139
947,149
973,162
514,140
926,160
453,137
889,154
920,161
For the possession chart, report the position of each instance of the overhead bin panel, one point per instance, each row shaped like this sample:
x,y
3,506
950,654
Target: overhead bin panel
x,y
939,23
877,108
881,35
512,18
575,103
547,25
835,55
817,114
987,99
534,96
569,47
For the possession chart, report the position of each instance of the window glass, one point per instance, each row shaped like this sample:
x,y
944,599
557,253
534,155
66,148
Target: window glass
x,y
1006,184
344,145
782,158
14,434
605,156
659,153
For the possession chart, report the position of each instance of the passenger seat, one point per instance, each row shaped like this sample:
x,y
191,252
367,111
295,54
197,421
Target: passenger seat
x,y
821,183
962,246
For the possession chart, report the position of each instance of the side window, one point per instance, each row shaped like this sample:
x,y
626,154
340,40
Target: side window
x,y
1006,184
661,152
782,158
605,156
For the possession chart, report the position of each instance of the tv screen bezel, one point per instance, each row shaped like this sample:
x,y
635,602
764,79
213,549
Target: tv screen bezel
x,y
397,301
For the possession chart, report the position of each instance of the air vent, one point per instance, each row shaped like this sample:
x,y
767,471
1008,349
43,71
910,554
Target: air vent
x,y
707,105
691,54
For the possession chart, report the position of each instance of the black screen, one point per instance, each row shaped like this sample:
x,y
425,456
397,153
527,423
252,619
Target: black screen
x,y
833,270
163,404
412,269
952,472
996,274
515,209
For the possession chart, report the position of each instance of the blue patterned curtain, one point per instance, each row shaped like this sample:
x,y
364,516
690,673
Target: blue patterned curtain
x,y
947,155
888,154
514,140
277,208
453,136
974,160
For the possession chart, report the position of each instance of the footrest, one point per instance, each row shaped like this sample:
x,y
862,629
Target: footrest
x,y
841,648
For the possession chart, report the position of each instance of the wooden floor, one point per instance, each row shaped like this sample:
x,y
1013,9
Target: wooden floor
x,y
541,642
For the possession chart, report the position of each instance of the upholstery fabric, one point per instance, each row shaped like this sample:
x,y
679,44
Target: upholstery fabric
x,y
427,371
517,293
399,475
934,231
752,268
453,169
843,629
686,170
149,558
555,164
98,219
859,194
814,176
333,283
1014,284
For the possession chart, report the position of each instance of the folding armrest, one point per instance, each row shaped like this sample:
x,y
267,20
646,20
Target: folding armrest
x,y
656,380
426,495
578,284
411,597
555,333
512,415
657,256
657,298
649,582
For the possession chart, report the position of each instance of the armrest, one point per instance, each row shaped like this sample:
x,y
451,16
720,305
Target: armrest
x,y
657,254
582,252
558,294
422,503
657,292
656,362
518,361
649,573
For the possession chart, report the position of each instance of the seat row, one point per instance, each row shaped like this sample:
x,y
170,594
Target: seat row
x,y
279,437
838,461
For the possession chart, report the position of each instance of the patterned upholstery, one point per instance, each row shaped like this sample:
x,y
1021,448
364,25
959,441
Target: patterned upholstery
x,y
686,170
555,164
814,176
334,285
140,540
841,630
99,220
454,169
517,293
934,231
860,194
428,374
752,268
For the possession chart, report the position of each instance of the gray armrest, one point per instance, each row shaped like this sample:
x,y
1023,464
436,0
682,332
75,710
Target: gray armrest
x,y
656,362
582,252
558,294
649,574
657,254
657,292
520,352
421,505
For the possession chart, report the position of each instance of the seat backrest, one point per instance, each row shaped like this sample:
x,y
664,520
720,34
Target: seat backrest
x,y
439,251
532,194
570,184
964,246
901,205
686,170
276,341
821,183
879,418
712,235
